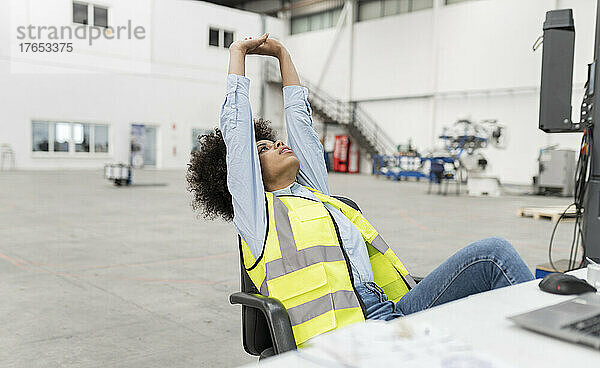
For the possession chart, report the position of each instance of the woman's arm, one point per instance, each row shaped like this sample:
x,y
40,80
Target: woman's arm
x,y
302,138
244,178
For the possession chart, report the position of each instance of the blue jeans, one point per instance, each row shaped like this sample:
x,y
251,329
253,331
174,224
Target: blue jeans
x,y
485,265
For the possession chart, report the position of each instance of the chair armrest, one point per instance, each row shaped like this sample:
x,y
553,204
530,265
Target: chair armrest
x,y
276,315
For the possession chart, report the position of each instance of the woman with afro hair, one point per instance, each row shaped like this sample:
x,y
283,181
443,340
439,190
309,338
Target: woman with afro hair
x,y
322,259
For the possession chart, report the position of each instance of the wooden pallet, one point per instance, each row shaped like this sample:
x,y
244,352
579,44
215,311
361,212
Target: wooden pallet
x,y
552,213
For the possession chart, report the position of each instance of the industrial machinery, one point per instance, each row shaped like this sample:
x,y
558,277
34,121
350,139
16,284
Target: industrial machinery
x,y
556,169
399,167
464,141
460,159
404,164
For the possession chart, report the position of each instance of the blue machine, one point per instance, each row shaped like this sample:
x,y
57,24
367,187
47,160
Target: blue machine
x,y
398,167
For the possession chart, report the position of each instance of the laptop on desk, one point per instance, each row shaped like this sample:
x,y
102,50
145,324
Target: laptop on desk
x,y
576,320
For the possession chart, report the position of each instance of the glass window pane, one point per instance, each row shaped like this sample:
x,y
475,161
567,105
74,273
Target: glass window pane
x,y
80,13
421,4
369,10
299,25
62,137
213,37
228,39
100,16
101,138
404,6
316,21
327,19
40,136
81,137
390,7
335,16
150,146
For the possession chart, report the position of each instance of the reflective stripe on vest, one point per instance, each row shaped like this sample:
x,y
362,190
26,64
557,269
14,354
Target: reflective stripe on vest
x,y
341,299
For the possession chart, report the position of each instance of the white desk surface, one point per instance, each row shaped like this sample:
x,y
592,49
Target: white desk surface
x,y
480,322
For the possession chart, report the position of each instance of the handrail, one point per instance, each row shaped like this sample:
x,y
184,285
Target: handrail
x,y
384,142
345,113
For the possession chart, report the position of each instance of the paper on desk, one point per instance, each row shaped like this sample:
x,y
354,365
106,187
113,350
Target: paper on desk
x,y
375,343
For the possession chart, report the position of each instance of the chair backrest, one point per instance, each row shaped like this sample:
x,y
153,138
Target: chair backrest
x,y
348,201
256,336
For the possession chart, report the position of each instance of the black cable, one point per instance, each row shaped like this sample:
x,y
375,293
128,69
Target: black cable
x,y
552,236
581,177
573,244
581,185
576,241
581,161
583,248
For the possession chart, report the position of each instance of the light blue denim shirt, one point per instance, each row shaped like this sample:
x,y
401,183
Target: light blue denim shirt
x,y
244,178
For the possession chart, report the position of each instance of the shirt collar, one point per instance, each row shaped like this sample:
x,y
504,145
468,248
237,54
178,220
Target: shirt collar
x,y
285,191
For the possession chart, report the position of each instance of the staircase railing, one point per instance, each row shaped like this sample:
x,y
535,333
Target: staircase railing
x,y
361,125
374,133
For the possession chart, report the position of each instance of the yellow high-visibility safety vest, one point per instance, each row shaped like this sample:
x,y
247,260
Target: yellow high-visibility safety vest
x,y
304,265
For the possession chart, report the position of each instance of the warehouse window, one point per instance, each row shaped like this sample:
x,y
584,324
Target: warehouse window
x,y
80,13
300,25
219,37
391,7
213,37
100,138
69,137
421,4
450,2
62,136
90,14
371,9
40,134
100,16
81,137
316,21
227,39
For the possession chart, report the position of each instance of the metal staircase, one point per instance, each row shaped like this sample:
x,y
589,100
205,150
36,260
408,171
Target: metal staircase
x,y
363,128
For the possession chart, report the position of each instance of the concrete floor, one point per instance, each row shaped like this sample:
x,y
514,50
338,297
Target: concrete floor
x,y
99,276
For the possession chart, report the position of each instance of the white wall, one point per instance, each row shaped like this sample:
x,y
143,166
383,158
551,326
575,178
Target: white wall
x,y
311,53
172,77
414,73
393,56
417,72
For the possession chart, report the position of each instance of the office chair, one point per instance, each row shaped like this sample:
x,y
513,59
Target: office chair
x,y
266,326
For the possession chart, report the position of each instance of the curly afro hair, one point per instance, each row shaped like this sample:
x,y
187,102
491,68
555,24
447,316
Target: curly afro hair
x,y
207,172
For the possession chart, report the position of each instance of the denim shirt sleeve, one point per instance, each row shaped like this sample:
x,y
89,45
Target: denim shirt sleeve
x,y
244,178
303,139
